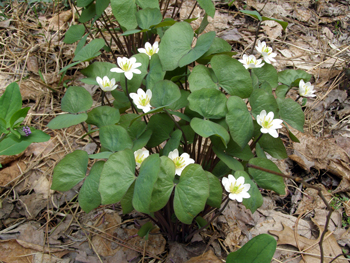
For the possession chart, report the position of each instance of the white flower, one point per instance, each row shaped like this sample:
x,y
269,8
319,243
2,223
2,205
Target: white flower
x,y
251,62
149,50
142,99
180,161
140,156
106,84
268,124
127,66
266,52
237,188
306,89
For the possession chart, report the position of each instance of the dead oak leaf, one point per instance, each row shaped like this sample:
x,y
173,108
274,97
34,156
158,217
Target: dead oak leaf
x,y
310,246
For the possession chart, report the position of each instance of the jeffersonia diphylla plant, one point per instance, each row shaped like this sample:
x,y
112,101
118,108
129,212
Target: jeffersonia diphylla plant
x,y
176,141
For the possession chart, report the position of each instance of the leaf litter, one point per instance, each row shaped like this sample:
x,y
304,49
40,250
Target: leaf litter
x,y
40,225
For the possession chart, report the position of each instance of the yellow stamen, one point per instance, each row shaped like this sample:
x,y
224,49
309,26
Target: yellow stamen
x,y
179,162
235,189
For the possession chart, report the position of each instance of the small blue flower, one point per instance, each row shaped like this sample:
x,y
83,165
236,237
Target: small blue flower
x,y
27,130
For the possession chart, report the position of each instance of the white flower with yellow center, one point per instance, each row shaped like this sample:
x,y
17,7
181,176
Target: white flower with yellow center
x,y
142,99
237,188
149,49
251,62
306,89
106,84
180,161
268,123
140,156
266,52
127,66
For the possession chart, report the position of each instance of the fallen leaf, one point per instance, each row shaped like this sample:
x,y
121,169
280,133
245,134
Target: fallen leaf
x,y
32,64
207,257
9,174
310,246
58,22
13,252
180,253
5,23
272,29
312,200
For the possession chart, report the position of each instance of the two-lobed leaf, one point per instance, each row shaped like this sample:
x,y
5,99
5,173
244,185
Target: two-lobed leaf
x,y
76,99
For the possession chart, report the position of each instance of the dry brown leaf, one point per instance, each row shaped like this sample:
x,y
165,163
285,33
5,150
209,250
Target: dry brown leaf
x,y
322,154
9,174
5,159
31,90
207,257
312,200
58,22
13,252
272,29
5,23
32,64
310,246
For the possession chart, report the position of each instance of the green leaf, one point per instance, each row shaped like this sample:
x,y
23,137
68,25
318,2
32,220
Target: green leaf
x,y
90,51
203,25
148,3
191,193
76,99
164,93
70,171
161,126
201,78
115,138
131,32
254,14
101,5
282,23
101,155
202,45
231,162
101,69
232,76
126,201
66,120
281,91
88,13
103,115
239,121
263,100
148,175
218,46
291,112
155,73
74,33
148,17
125,13
121,101
172,47
206,128
256,200
64,69
208,6
264,179
268,74
182,102
117,175
83,3
215,190
173,142
2,126
164,185
259,249
235,150
10,102
19,116
145,229
12,145
273,146
289,76
89,197
259,151
210,103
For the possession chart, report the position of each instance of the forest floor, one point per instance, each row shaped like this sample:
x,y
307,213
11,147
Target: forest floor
x,y
41,225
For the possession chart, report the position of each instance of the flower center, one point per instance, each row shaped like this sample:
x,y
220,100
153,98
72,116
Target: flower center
x,y
150,52
179,162
144,100
266,123
105,83
126,66
139,158
236,188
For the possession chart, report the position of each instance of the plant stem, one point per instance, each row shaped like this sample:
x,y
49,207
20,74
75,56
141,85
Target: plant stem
x,y
256,37
179,127
92,138
252,146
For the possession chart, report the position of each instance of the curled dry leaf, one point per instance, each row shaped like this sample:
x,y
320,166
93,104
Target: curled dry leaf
x,y
310,246
58,22
207,257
